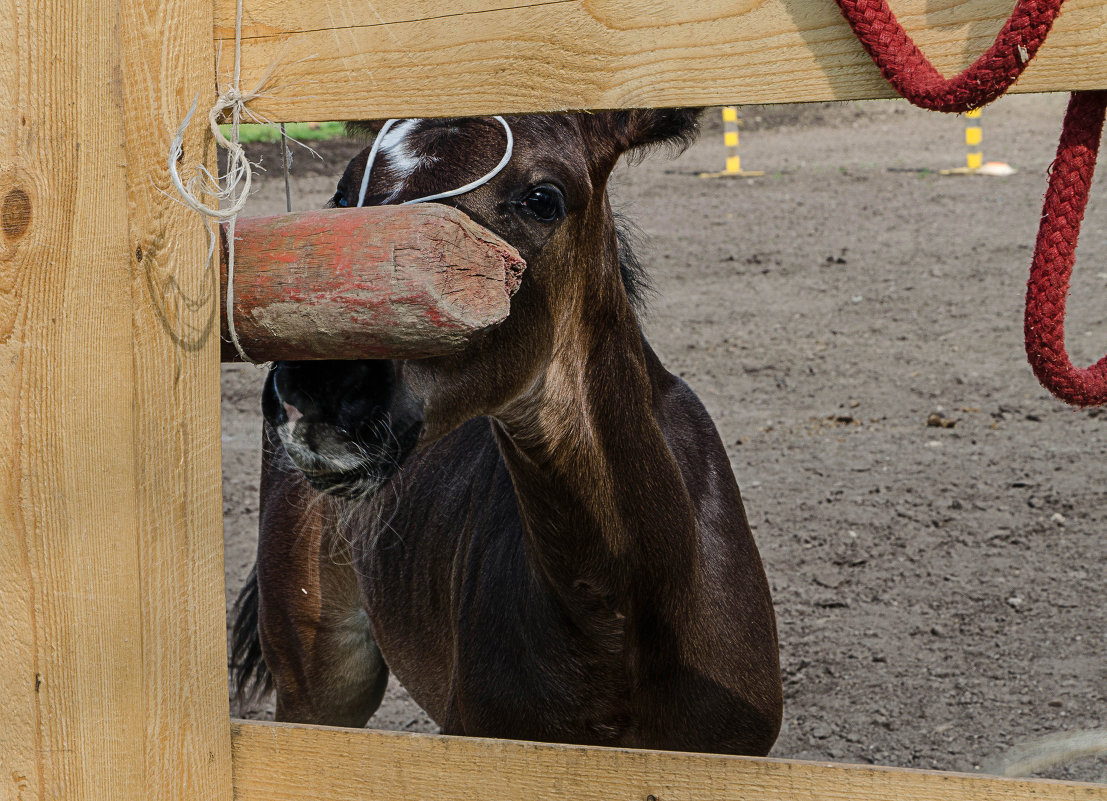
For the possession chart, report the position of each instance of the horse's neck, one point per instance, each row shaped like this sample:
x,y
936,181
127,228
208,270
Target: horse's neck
x,y
601,499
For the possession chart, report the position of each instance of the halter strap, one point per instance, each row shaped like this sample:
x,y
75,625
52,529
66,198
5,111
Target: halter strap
x,y
451,193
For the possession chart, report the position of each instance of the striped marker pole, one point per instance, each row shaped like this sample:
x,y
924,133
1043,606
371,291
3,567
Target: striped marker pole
x,y
730,139
974,135
974,157
733,162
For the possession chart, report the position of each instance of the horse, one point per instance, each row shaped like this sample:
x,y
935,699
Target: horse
x,y
541,536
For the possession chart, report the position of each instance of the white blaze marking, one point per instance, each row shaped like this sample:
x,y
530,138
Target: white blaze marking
x,y
402,160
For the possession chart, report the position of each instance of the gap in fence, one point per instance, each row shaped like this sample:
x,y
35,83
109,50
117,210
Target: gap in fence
x,y
824,312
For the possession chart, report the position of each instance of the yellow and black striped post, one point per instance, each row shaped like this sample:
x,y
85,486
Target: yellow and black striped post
x,y
974,135
974,157
733,162
730,139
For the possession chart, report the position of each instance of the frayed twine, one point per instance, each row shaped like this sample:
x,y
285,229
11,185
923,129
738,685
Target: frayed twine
x,y
233,186
229,192
238,171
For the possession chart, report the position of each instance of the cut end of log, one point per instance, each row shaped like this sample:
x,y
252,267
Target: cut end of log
x,y
366,283
513,268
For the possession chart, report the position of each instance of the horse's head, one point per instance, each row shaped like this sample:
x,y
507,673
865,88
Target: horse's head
x,y
347,425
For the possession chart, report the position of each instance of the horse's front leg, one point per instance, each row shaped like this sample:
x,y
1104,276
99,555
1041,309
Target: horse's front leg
x,y
314,631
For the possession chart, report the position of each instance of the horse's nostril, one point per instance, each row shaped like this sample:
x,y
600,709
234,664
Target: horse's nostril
x,y
292,413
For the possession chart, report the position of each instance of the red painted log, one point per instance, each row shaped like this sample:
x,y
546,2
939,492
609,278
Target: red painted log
x,y
366,283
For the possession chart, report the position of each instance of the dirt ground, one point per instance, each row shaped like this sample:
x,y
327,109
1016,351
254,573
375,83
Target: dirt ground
x,y
939,591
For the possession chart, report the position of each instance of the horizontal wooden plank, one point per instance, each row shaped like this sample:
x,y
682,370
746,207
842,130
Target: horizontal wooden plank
x,y
275,17
351,59
384,282
278,762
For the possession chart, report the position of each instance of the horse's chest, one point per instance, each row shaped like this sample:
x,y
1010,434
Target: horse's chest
x,y
526,669
558,689
484,647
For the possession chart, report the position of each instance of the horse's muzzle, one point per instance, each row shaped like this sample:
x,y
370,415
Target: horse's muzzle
x,y
347,425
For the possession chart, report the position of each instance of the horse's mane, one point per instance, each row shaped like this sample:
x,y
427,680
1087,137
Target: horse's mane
x,y
636,281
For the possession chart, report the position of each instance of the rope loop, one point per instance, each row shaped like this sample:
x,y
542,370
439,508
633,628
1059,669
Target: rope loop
x,y
1070,176
1055,254
915,78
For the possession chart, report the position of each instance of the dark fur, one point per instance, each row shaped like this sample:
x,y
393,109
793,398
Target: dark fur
x,y
636,281
564,555
249,675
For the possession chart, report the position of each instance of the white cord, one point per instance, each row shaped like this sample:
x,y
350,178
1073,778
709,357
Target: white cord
x,y
239,171
451,193
373,157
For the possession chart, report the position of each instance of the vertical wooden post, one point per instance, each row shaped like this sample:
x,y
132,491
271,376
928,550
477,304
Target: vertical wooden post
x,y
112,653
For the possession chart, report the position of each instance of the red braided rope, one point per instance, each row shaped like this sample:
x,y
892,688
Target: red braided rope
x,y
1055,254
914,77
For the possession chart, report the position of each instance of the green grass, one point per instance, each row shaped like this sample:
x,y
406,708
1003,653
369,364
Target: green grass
x,y
296,130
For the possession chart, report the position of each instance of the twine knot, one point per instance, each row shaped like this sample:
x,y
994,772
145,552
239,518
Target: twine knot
x,y
230,191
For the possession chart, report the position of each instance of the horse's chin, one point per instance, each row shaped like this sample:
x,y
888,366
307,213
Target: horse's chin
x,y
344,469
352,485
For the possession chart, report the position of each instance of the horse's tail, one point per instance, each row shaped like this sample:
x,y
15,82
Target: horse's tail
x,y
250,676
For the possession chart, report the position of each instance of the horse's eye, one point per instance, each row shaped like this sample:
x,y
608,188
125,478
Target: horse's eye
x,y
339,199
545,203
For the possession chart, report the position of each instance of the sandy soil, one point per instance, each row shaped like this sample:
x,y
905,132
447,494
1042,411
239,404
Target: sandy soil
x,y
938,590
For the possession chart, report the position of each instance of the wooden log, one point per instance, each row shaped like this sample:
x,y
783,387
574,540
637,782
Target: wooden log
x,y
367,283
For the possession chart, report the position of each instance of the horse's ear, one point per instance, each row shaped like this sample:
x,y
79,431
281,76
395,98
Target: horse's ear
x,y
643,128
363,129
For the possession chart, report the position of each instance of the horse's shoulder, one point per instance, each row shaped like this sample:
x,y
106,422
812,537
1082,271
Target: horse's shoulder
x,y
694,440
680,412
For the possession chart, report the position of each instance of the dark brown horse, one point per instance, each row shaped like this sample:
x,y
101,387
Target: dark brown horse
x,y
540,536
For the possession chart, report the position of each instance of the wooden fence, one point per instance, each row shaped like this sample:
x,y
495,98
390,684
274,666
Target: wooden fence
x,y
112,644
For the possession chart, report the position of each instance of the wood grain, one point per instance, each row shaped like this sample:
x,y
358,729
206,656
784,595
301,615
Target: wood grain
x,y
112,651
385,282
176,401
270,760
353,59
